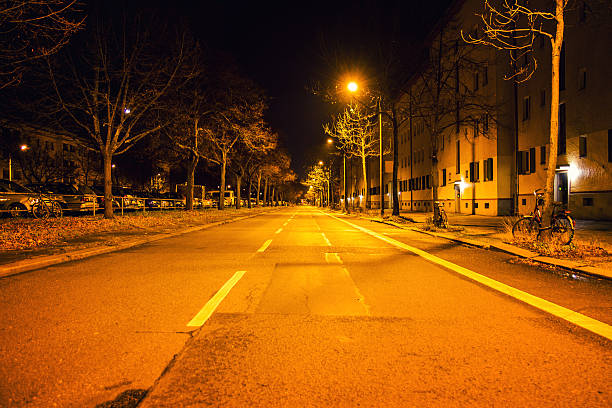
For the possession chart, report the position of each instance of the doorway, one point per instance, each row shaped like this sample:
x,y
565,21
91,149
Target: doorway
x,y
561,187
457,198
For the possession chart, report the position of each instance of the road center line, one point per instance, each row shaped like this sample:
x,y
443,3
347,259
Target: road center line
x,y
264,246
278,231
332,258
569,315
326,240
210,306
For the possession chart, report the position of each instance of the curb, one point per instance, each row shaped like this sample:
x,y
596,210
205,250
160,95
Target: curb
x,y
512,250
31,264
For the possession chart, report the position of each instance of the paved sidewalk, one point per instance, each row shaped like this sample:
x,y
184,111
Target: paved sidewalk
x,y
493,232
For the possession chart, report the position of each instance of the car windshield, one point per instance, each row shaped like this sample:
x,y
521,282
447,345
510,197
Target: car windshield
x,y
11,186
61,189
85,190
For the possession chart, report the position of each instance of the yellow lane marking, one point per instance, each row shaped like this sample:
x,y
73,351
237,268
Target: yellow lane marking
x,y
360,297
569,315
326,240
212,304
332,258
264,246
278,231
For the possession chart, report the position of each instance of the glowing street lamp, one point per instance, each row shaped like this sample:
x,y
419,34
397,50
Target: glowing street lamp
x,y
22,148
352,86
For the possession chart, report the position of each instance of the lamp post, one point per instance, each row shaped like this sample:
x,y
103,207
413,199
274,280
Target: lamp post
x,y
353,87
22,148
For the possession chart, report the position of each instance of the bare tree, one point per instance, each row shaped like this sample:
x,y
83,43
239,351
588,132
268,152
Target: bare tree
x,y
355,131
513,26
32,30
106,94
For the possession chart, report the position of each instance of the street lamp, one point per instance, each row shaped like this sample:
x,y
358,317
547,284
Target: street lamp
x,y
22,148
352,86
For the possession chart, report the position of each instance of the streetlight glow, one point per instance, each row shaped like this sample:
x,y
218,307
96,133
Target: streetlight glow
x,y
329,141
320,162
24,147
352,86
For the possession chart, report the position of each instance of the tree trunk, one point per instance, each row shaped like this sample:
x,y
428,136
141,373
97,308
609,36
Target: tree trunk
x,y
191,166
221,205
108,185
395,193
364,172
557,43
273,196
265,192
238,194
250,184
345,182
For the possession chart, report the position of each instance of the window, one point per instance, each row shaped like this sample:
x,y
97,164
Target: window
x,y
532,160
428,181
486,205
457,165
474,172
562,131
488,169
582,146
587,202
526,108
582,78
542,97
423,183
485,75
610,145
524,201
523,162
562,68
443,177
543,154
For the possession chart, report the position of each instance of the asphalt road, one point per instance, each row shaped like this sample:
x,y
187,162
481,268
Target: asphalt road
x,y
323,311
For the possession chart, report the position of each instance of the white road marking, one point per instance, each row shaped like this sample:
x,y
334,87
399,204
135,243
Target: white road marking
x,y
569,315
326,240
209,308
285,224
264,246
360,297
332,257
278,231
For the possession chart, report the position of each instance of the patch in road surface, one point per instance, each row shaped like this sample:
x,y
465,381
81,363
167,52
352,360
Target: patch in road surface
x,y
322,289
270,360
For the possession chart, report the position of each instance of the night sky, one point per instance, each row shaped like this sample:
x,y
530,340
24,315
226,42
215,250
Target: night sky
x,y
287,46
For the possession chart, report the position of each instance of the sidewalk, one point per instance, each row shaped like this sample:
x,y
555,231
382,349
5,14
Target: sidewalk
x,y
592,239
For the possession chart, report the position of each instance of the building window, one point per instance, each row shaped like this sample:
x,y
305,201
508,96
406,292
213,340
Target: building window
x,y
542,97
532,160
582,79
587,202
610,145
562,131
458,167
562,68
443,177
474,172
486,205
523,162
485,75
526,108
582,146
524,201
428,181
543,154
488,169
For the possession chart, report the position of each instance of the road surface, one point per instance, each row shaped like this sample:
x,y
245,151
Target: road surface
x,y
301,308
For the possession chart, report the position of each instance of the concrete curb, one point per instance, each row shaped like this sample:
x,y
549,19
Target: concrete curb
x,y
512,250
28,265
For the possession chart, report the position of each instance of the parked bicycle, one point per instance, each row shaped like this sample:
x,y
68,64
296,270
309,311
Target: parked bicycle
x,y
44,206
441,220
530,226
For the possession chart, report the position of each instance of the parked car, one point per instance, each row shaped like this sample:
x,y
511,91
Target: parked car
x,y
99,190
176,200
68,195
17,200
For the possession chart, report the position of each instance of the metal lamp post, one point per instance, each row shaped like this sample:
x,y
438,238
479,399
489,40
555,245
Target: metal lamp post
x,y
22,148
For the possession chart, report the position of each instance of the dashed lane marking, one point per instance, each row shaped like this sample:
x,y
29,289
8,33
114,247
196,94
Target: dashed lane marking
x,y
332,258
210,306
265,245
326,240
561,312
278,231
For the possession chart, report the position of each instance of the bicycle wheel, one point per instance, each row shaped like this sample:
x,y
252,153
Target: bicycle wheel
x,y
40,210
444,219
525,229
562,229
56,209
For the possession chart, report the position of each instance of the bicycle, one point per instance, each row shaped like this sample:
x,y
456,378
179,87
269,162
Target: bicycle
x,y
45,206
529,226
441,220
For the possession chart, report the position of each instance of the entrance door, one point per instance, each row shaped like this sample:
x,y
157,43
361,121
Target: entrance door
x,y
561,187
457,198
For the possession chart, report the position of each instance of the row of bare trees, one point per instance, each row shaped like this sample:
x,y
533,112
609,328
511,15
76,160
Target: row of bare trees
x,y
126,78
437,94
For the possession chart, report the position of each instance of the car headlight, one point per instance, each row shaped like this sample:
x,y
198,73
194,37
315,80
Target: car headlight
x,y
33,200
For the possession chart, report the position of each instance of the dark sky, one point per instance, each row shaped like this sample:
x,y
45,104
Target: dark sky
x,y
287,46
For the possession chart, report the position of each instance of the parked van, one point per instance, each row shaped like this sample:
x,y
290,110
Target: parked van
x,y
229,201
